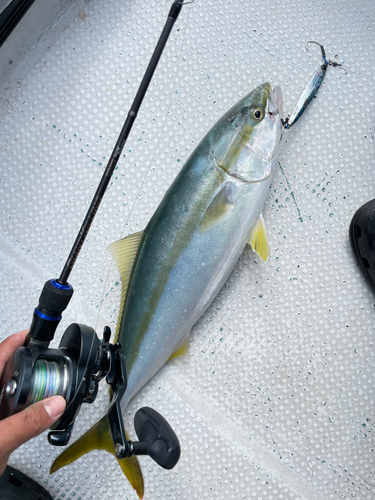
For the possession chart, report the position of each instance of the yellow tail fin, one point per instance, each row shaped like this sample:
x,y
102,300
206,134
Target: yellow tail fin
x,y
99,438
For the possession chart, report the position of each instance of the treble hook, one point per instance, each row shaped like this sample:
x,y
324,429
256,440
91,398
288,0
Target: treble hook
x,y
327,62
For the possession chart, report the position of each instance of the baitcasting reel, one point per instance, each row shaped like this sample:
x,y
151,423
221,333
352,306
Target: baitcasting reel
x,y
74,371
35,372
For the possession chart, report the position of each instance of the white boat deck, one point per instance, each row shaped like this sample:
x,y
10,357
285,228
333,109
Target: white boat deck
x,y
275,399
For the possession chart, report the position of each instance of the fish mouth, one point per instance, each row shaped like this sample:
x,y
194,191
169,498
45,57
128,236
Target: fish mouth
x,y
275,102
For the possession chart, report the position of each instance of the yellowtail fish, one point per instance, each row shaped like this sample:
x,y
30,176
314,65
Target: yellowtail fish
x,y
173,269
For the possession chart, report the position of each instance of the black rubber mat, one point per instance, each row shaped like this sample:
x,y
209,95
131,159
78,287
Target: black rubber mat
x,y
14,485
362,239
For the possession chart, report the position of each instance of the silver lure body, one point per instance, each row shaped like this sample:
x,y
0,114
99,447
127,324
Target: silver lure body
x,y
307,95
198,232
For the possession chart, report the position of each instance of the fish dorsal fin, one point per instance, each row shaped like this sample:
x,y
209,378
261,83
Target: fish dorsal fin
x,y
124,252
259,239
181,349
218,209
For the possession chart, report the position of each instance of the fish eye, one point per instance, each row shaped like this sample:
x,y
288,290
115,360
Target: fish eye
x,y
258,114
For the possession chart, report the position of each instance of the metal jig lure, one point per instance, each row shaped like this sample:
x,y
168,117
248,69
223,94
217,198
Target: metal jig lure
x,y
310,89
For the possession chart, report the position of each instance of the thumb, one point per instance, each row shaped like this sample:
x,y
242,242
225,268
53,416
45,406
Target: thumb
x,y
31,422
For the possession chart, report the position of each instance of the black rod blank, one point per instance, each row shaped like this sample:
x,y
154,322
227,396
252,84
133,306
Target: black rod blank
x,y
132,114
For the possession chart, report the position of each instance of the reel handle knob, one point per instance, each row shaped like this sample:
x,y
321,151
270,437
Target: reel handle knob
x,y
60,437
156,438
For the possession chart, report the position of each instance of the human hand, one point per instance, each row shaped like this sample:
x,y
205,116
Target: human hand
x,y
35,419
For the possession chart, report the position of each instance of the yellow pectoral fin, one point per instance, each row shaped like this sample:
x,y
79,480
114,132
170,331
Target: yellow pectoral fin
x,y
125,252
99,437
259,239
181,349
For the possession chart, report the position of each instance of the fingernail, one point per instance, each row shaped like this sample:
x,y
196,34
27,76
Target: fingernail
x,y
55,406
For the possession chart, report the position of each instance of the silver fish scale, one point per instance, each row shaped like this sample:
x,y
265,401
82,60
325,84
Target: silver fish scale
x,y
275,398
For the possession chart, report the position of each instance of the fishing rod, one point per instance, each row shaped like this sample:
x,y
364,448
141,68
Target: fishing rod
x,y
74,370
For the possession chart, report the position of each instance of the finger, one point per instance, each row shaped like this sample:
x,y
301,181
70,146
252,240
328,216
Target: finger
x,y
9,345
31,422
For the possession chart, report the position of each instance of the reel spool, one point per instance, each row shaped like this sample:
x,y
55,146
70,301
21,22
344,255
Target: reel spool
x,y
49,378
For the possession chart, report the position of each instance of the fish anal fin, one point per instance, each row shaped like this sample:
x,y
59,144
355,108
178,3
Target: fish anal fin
x,y
259,239
181,349
219,208
124,252
99,437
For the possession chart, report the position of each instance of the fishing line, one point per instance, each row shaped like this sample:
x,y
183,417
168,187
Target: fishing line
x,y
49,379
307,95
161,135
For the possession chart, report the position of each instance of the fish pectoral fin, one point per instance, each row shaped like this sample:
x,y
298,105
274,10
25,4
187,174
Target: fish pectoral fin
x,y
218,209
124,252
181,349
99,437
259,239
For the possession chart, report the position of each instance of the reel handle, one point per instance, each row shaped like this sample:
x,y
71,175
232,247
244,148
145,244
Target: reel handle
x,y
156,437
